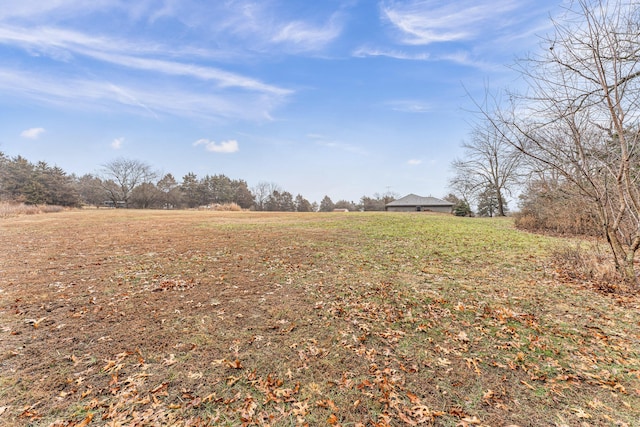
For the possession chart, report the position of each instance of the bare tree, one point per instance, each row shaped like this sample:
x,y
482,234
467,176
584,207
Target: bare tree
x,y
491,166
581,115
121,176
262,191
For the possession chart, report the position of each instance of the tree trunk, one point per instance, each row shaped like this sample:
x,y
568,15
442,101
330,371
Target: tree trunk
x,y
624,260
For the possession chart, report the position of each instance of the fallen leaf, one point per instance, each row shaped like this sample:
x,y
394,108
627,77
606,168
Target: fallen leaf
x,y
413,398
300,408
442,361
462,336
86,421
467,421
159,387
328,403
171,360
110,364
580,413
236,364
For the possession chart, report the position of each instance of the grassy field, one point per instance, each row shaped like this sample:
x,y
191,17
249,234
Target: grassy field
x,y
131,318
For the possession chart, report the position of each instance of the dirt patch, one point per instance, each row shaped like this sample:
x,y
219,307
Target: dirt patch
x,y
81,291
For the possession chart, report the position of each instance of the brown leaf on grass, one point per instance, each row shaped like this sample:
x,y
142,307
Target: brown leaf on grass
x,y
35,322
327,403
236,364
473,363
232,380
86,421
422,414
301,408
413,398
171,360
332,420
30,413
469,421
527,384
406,420
159,388
140,357
580,413
114,379
463,337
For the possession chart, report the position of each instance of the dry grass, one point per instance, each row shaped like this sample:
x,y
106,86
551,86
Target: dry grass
x,y
11,209
225,207
196,318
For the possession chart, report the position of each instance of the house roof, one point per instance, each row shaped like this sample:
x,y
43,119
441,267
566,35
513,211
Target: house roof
x,y
415,200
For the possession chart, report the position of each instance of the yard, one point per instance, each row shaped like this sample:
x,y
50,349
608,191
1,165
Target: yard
x,y
189,318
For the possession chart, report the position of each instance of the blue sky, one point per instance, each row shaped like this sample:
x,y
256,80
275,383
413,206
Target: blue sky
x,y
332,97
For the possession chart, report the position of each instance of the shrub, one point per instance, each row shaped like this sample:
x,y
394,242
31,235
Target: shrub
x,y
587,265
461,208
10,209
557,208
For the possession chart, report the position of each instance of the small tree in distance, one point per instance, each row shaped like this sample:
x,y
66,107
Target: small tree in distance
x,y
326,204
122,176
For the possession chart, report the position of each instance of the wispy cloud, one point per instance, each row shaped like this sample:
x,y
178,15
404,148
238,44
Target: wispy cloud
x,y
264,26
116,144
33,133
410,106
341,146
303,36
65,44
105,69
139,97
226,147
422,22
364,52
414,162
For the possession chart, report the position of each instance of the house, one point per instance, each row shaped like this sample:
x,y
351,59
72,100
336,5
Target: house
x,y
414,203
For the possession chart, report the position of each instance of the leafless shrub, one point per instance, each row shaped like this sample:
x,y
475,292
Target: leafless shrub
x,y
225,207
590,265
10,209
51,209
553,206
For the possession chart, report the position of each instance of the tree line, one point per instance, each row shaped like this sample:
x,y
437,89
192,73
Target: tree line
x,y
131,183
569,142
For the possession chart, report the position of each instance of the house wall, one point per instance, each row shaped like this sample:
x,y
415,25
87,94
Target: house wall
x,y
441,209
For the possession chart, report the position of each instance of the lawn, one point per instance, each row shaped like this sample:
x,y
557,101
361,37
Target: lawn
x,y
192,318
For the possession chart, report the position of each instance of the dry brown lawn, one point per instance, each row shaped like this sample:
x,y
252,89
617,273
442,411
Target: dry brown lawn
x,y
131,318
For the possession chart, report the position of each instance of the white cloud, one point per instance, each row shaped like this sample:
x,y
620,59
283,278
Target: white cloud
x,y
414,162
139,97
303,36
410,106
364,52
342,146
33,133
422,22
63,44
230,146
116,144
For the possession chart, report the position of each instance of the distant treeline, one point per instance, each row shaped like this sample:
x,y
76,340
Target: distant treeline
x,y
134,184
